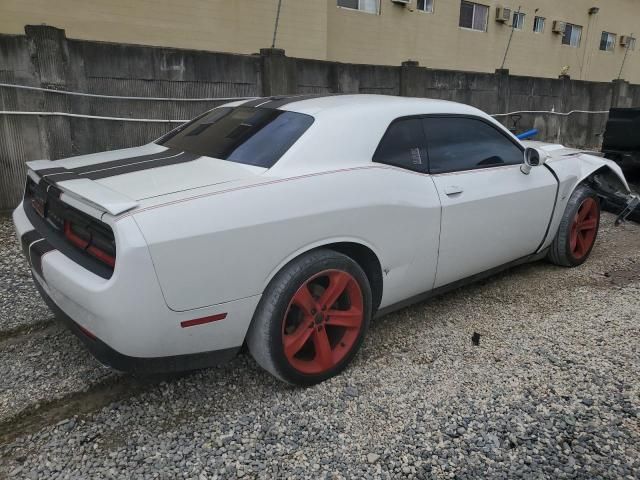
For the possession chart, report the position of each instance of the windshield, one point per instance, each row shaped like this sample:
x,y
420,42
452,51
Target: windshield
x,y
253,136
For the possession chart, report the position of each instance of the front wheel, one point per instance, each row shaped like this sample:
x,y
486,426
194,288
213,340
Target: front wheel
x,y
578,229
312,318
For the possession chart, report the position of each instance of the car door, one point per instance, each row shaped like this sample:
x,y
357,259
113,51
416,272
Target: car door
x,y
492,213
415,254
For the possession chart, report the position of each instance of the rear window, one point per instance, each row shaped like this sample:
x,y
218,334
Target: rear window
x,y
253,136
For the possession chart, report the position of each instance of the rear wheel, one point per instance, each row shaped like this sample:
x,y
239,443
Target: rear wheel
x,y
578,229
312,318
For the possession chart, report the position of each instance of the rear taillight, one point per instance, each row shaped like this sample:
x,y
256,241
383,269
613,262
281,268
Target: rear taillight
x,y
61,221
91,241
80,240
102,256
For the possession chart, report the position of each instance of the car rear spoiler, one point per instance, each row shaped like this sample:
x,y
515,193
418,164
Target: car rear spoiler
x,y
84,190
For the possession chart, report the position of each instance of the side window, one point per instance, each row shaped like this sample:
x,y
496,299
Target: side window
x,y
403,145
456,144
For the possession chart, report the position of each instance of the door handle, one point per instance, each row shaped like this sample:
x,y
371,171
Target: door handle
x,y
452,190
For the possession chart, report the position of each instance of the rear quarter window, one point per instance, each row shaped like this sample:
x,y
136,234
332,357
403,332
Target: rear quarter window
x,y
403,145
252,136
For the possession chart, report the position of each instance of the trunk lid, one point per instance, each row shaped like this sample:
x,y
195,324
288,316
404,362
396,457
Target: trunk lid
x,y
116,181
197,173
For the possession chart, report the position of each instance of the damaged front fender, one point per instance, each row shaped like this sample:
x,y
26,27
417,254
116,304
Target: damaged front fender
x,y
604,176
574,167
616,194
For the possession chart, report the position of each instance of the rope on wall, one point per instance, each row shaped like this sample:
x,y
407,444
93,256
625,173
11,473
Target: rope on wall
x,y
117,97
550,112
209,99
159,120
92,117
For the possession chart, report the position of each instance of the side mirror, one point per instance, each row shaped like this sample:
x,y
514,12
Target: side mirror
x,y
531,159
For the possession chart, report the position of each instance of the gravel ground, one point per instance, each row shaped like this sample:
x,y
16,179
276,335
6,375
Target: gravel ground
x,y
20,305
552,390
46,365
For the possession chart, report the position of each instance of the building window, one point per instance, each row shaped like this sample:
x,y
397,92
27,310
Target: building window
x,y
630,43
369,6
607,41
572,35
474,16
518,20
425,6
538,24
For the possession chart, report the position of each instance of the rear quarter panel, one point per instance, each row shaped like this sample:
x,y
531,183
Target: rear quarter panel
x,y
225,246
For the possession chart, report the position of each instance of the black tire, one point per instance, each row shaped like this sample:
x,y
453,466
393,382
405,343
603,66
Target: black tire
x,y
265,337
561,252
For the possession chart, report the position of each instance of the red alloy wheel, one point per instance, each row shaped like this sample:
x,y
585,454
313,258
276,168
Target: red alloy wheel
x,y
584,228
322,322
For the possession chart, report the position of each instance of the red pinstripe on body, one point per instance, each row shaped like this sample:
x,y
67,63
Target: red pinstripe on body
x,y
270,182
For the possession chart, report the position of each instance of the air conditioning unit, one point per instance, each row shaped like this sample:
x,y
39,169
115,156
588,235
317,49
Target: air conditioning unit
x,y
625,40
503,15
402,2
559,27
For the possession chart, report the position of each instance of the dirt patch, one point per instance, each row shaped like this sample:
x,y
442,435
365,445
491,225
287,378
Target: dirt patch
x,y
76,404
622,277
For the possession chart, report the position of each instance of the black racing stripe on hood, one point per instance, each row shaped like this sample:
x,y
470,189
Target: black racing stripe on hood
x,y
124,161
138,167
277,102
118,167
255,102
50,171
57,177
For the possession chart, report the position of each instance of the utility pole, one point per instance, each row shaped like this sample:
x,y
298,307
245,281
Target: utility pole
x,y
626,52
593,11
275,28
513,27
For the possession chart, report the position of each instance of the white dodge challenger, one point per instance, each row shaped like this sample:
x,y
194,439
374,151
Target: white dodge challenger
x,y
286,223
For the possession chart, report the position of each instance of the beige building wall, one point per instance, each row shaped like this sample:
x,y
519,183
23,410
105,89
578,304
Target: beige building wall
x,y
238,26
435,39
319,29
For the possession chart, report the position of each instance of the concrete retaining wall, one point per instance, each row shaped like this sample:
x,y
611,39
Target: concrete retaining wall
x,y
44,57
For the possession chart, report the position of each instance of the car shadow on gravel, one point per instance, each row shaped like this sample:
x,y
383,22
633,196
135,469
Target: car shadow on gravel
x,y
553,370
247,374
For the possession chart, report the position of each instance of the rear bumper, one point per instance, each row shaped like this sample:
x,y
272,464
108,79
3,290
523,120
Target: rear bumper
x,y
124,320
125,363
